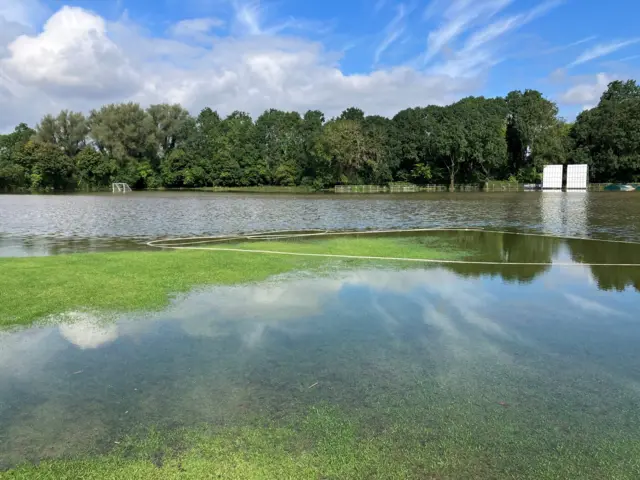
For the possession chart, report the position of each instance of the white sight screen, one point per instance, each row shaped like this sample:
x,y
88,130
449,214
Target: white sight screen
x,y
577,176
552,176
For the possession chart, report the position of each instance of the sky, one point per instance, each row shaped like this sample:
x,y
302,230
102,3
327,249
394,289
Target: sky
x,y
251,55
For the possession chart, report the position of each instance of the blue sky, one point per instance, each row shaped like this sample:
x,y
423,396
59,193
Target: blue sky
x,y
382,55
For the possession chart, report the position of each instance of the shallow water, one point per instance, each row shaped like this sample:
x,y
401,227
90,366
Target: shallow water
x,y
50,224
513,359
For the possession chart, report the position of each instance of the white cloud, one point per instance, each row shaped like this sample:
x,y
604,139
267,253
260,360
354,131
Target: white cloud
x,y
73,55
79,61
481,47
86,331
195,27
629,58
248,16
587,93
459,17
379,5
602,50
590,306
561,48
23,12
394,29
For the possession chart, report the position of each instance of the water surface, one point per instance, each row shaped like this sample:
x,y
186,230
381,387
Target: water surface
x,y
539,364
50,224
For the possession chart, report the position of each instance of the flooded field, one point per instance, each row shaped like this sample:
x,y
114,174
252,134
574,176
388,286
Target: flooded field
x,y
52,224
372,369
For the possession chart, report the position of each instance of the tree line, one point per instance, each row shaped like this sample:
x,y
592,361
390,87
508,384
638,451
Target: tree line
x,y
471,141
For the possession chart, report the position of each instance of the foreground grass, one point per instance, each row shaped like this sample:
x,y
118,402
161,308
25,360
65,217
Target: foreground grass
x,y
328,444
33,288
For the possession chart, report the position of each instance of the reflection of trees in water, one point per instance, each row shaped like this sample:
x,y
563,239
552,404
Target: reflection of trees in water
x,y
504,247
38,245
609,278
519,274
510,248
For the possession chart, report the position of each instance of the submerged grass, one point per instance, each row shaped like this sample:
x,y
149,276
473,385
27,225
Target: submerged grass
x,y
36,287
360,398
326,443
363,245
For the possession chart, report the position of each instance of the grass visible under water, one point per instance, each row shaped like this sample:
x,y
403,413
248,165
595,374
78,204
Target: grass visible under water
x,y
415,403
327,444
35,287
361,245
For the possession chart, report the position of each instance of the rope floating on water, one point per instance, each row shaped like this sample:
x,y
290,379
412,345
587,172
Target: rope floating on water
x,y
188,243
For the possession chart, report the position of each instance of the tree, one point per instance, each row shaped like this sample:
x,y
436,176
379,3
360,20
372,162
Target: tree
x,y
123,131
532,119
94,169
410,142
484,125
173,125
470,141
448,141
378,132
68,131
341,148
280,144
607,137
235,159
313,172
12,174
352,113
127,134
46,166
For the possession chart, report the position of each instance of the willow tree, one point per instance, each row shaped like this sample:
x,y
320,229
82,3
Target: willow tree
x,y
68,131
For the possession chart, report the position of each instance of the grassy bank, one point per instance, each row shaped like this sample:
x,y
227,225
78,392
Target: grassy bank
x,y
32,288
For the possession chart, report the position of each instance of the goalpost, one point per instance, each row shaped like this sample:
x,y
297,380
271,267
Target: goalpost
x,y
120,188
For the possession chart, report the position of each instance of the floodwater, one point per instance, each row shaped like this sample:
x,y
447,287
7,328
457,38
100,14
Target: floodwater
x,y
519,366
532,356
51,224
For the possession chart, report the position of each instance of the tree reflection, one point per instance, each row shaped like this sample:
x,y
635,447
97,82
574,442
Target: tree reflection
x,y
512,248
609,278
505,248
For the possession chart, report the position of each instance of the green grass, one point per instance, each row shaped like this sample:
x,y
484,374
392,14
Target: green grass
x,y
424,406
36,287
328,444
362,245
32,288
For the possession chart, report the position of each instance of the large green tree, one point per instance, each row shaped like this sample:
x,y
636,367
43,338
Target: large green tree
x,y
607,137
471,141
532,124
280,145
172,123
12,174
68,131
127,134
